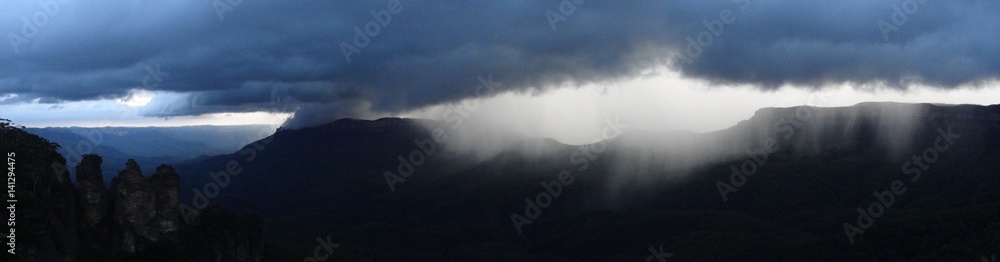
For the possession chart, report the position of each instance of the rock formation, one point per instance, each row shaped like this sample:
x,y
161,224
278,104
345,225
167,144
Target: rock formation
x,y
166,185
95,206
93,196
136,220
134,209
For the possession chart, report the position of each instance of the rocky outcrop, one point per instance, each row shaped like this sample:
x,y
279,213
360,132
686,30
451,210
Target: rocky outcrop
x,y
136,220
145,209
166,186
95,205
134,209
93,196
137,213
146,214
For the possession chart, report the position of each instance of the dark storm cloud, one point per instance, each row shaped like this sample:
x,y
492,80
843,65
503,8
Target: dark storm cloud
x,y
288,55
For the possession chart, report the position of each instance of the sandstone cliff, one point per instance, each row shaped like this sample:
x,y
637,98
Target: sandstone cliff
x,y
136,219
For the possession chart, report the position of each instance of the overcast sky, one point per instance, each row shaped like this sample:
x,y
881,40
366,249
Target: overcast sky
x,y
556,66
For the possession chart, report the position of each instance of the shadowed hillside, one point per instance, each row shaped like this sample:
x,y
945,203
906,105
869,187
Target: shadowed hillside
x,y
802,174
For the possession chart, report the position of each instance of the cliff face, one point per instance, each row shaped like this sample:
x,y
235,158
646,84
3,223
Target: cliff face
x,y
94,198
146,215
136,220
95,205
166,184
134,209
46,207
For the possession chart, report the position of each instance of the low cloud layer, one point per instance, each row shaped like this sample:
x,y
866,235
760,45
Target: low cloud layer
x,y
246,56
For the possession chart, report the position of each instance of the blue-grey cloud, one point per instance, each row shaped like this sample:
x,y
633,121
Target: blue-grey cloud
x,y
242,56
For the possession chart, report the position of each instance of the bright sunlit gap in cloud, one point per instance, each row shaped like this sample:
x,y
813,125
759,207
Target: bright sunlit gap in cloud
x,y
137,98
668,102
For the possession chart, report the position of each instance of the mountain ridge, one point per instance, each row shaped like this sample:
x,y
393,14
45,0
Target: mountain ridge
x,y
333,180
